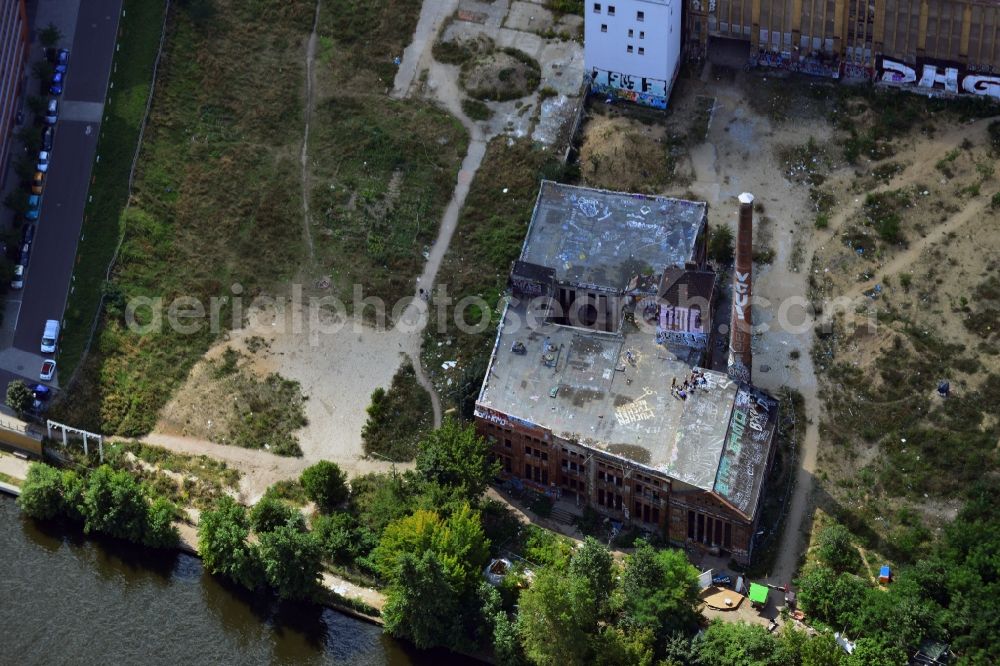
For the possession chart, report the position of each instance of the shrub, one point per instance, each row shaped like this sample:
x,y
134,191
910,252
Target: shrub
x,y
269,513
720,245
836,549
325,484
476,110
42,492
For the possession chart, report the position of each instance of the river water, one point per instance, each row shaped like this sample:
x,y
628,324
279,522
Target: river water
x,y
69,599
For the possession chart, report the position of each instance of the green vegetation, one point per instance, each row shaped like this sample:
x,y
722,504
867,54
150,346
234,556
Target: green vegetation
x,y
476,110
432,565
873,119
500,75
270,513
325,484
131,77
883,210
720,245
50,35
453,456
565,6
105,501
489,236
265,413
19,396
397,418
948,595
218,178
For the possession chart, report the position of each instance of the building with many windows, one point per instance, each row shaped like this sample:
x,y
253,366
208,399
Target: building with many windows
x,y
595,390
14,40
632,48
948,45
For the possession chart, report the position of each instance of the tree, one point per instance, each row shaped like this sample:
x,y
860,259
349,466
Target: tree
x,y
557,619
593,562
113,504
222,543
73,486
737,644
831,597
160,530
459,543
660,589
50,35
270,512
19,396
292,561
822,650
616,645
422,604
339,534
875,651
455,456
720,245
326,484
836,550
42,492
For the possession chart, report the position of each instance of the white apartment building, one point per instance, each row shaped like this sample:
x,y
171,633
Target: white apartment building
x,y
632,48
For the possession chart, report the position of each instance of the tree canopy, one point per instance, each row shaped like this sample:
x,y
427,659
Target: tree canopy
x,y
222,542
455,456
325,484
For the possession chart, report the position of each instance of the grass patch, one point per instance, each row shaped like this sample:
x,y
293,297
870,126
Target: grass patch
x,y
489,236
14,481
138,40
398,418
500,75
883,212
289,490
263,413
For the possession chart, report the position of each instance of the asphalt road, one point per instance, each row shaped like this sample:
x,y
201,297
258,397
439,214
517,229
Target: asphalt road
x,y
46,285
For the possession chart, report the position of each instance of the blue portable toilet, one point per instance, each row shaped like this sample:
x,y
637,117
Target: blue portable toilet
x,y
885,575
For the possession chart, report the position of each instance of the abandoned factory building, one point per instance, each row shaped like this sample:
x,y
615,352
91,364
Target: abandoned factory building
x,y
610,313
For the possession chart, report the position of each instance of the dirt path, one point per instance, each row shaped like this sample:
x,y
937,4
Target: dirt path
x,y
15,467
307,115
737,138
905,258
432,15
260,469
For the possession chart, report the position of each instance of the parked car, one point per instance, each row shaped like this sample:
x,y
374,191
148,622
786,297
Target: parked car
x,y
52,112
37,182
28,234
50,336
17,282
62,61
56,86
43,161
48,370
34,201
47,136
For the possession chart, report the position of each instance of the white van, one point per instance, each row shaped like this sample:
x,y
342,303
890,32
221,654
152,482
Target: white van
x,y
50,336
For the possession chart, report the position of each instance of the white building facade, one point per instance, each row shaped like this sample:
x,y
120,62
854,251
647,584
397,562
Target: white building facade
x,y
632,48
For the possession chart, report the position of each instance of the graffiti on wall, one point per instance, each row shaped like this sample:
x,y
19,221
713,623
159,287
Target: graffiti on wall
x,y
939,76
741,297
814,65
638,89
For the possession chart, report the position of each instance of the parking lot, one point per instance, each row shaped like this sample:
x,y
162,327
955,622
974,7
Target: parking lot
x,y
91,27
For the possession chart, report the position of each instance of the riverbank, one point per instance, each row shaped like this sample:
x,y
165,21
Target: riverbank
x,y
72,599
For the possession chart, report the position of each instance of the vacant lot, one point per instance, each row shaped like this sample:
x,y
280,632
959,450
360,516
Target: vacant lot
x,y
218,196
